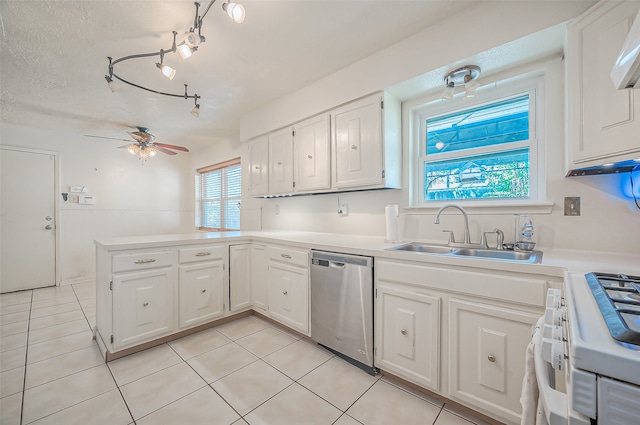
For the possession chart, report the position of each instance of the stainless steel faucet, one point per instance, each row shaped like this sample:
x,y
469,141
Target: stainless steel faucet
x,y
467,238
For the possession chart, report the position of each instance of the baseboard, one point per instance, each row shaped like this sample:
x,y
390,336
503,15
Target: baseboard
x,y
77,281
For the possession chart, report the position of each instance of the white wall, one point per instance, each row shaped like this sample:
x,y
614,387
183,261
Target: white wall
x,y
131,199
609,221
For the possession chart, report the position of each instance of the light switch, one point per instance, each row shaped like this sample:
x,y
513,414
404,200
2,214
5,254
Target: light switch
x,y
86,200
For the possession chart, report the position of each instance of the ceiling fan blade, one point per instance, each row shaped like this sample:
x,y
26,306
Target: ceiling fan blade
x,y
108,138
178,148
126,146
167,151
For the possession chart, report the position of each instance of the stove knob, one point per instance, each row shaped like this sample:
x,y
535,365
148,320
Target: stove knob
x,y
552,332
553,353
554,298
553,316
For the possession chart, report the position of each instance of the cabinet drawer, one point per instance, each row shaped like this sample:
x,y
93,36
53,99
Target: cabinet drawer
x,y
200,253
289,256
141,260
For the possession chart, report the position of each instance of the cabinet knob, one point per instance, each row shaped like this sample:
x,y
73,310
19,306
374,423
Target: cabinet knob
x,y
403,332
257,168
284,292
48,227
145,304
309,156
144,261
354,147
203,291
279,163
202,254
491,358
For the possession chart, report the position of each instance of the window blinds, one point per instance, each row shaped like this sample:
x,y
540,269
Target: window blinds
x,y
218,196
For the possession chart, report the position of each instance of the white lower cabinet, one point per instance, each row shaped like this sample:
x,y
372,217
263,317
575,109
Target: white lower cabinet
x,y
201,293
142,306
240,277
289,287
487,348
259,277
408,334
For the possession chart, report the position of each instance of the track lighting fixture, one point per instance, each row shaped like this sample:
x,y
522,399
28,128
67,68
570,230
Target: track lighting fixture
x,y
467,76
234,10
192,39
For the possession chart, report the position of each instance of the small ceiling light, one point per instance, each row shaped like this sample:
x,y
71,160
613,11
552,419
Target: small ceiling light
x,y
113,86
196,111
466,75
449,90
167,70
235,11
186,51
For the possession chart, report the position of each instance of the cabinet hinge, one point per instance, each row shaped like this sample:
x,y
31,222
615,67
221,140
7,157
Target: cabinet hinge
x,y
382,173
293,133
112,339
376,292
382,104
294,184
223,266
111,285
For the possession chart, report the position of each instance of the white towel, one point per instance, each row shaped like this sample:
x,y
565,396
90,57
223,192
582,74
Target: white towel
x,y
529,399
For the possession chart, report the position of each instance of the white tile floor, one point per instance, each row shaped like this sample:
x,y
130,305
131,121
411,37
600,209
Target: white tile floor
x,y
243,372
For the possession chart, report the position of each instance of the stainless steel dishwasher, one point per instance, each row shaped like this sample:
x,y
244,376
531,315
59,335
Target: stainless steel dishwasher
x,y
342,305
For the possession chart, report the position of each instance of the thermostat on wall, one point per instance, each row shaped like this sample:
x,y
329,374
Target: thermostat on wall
x,y
86,200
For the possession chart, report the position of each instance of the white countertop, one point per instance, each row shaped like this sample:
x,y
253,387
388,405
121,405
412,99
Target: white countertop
x,y
554,262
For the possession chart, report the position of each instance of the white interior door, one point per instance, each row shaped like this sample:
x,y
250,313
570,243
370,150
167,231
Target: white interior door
x,y
27,220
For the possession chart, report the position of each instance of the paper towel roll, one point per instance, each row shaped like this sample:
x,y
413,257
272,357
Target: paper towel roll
x,y
391,216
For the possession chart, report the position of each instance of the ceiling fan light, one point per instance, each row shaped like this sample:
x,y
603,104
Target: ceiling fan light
x,y
167,70
133,149
235,11
196,111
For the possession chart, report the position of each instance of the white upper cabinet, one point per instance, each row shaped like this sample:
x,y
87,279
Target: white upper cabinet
x,y
312,162
366,143
259,167
281,162
603,123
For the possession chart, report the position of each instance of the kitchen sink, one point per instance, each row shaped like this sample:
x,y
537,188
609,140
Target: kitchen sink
x,y
426,248
519,256
533,257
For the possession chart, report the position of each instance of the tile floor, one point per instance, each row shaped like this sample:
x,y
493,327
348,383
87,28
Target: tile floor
x,y
243,372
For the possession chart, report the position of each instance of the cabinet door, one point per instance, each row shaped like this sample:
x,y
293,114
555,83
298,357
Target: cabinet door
x,y
312,166
201,293
603,122
259,168
289,295
259,277
281,162
239,277
408,335
357,143
487,348
143,306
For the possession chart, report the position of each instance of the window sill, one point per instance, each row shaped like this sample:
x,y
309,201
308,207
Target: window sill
x,y
487,208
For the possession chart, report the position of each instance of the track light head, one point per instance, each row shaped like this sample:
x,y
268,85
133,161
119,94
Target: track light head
x,y
113,86
166,70
235,11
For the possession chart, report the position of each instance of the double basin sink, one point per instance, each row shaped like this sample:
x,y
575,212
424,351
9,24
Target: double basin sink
x,y
533,257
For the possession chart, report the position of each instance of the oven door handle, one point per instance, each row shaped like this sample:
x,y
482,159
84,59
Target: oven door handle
x,y
555,403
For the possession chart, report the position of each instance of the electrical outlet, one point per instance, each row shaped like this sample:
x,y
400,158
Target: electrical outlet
x,y
572,206
343,210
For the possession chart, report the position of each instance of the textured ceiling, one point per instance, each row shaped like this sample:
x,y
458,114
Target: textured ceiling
x,y
53,59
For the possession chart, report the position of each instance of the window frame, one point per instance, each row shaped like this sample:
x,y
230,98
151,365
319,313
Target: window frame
x,y
534,87
199,201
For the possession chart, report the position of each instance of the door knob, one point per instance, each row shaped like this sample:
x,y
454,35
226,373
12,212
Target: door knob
x,y
48,227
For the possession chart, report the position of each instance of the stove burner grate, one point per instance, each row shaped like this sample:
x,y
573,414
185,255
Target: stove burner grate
x,y
618,297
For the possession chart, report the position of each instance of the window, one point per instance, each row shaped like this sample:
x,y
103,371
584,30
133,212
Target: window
x,y
218,195
485,151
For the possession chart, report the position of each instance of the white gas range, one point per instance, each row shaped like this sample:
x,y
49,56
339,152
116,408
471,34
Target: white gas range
x,y
591,336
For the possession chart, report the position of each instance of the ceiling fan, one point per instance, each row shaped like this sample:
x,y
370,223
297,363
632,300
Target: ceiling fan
x,y
144,145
